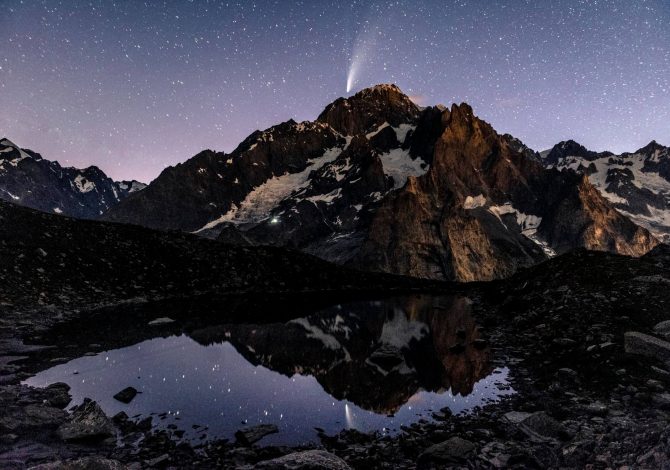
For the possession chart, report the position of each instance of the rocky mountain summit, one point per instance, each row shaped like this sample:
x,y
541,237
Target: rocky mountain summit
x,y
378,183
30,180
637,183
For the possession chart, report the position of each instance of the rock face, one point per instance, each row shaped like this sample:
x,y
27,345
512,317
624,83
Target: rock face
x,y
87,423
637,184
213,185
28,179
367,110
485,209
378,183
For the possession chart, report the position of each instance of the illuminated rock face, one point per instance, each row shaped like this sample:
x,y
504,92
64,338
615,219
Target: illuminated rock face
x,y
380,184
375,354
486,208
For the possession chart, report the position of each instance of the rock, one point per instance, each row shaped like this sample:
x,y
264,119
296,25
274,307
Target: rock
x,y
661,400
86,463
248,436
87,422
646,345
566,375
59,395
158,460
540,427
516,417
126,395
453,450
663,329
307,460
596,409
31,417
564,342
145,424
161,321
495,454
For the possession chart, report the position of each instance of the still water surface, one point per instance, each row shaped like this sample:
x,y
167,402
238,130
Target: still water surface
x,y
370,366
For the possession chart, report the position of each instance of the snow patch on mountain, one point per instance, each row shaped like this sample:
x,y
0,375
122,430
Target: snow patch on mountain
x,y
259,202
379,128
11,146
402,130
527,223
83,184
400,165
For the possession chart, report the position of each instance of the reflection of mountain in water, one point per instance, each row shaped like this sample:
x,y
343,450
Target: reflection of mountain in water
x,y
374,354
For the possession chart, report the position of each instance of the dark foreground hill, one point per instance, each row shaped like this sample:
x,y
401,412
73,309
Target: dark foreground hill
x,y
54,263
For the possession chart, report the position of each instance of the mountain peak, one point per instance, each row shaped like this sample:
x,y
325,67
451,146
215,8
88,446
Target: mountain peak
x,y
570,148
368,109
651,148
381,88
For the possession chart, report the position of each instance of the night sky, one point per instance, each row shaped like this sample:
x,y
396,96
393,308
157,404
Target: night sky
x,y
135,86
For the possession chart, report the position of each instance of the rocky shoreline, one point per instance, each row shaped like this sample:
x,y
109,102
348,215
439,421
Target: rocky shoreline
x,y
582,400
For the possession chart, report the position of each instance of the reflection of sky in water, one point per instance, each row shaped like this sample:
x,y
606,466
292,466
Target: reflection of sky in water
x,y
215,386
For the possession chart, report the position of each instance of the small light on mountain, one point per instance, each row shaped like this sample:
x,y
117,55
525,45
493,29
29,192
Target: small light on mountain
x,y
274,220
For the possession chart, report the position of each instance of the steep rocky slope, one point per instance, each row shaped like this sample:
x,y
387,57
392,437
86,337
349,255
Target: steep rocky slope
x,y
212,186
30,180
379,183
484,209
637,183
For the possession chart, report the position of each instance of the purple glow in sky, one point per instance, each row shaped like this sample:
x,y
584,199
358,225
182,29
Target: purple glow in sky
x,y
135,86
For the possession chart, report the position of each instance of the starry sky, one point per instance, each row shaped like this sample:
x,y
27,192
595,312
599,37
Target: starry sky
x,y
136,86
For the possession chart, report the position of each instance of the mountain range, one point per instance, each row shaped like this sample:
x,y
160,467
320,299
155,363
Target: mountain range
x,y
379,183
30,180
637,184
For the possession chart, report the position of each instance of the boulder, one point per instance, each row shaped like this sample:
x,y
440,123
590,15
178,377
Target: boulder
x,y
306,460
126,395
541,427
663,329
87,423
515,417
453,450
59,395
251,435
646,345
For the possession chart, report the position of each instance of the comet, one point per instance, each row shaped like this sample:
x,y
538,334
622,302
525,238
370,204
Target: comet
x,y
361,52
